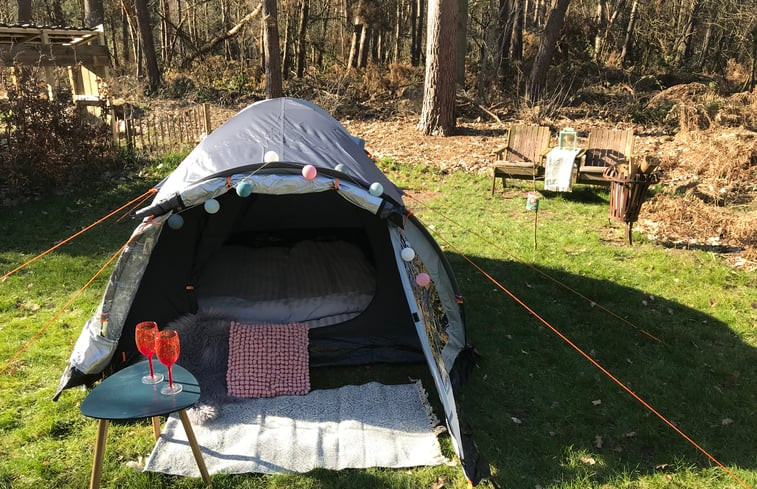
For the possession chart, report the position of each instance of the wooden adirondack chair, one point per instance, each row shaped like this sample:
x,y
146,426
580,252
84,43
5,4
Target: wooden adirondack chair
x,y
523,154
605,147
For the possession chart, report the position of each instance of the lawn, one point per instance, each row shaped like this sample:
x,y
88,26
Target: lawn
x,y
680,333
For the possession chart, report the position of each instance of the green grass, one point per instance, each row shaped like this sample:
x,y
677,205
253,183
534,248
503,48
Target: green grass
x,y
541,413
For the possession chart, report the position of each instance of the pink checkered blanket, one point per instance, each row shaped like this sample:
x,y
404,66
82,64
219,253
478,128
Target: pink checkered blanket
x,y
268,360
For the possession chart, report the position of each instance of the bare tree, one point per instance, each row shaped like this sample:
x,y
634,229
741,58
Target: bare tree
x,y
691,19
273,82
549,38
416,31
462,40
302,37
626,52
148,45
94,13
24,11
58,17
358,32
516,49
438,112
506,21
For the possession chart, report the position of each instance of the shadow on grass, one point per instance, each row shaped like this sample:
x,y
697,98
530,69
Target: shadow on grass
x,y
543,413
37,225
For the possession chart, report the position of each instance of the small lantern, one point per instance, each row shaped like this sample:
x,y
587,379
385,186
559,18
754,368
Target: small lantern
x,y
568,138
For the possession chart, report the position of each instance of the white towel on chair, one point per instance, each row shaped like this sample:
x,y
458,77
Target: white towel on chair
x,y
558,170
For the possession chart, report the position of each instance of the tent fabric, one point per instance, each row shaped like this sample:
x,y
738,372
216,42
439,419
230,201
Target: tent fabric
x,y
168,270
296,130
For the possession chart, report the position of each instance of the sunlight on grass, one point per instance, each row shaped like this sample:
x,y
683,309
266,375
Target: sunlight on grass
x,y
541,414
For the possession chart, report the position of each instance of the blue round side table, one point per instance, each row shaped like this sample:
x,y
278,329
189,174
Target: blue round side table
x,y
123,396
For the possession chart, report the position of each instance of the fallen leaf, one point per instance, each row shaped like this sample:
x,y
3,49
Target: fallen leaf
x,y
588,460
516,420
713,302
732,378
597,402
439,484
598,441
630,434
726,421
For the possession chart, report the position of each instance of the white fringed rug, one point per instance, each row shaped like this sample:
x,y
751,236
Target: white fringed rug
x,y
371,425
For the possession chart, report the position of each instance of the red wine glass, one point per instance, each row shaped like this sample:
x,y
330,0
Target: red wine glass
x,y
167,349
145,338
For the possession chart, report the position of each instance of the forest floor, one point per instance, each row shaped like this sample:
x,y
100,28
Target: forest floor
x,y
706,198
707,194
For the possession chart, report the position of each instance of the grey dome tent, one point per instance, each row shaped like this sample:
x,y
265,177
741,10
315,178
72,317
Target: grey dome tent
x,y
343,233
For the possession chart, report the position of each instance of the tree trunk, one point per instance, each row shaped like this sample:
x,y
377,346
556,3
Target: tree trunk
x,y
94,14
601,23
752,82
286,51
166,30
358,31
538,77
683,53
365,36
414,23
113,30
148,45
58,17
438,112
704,52
506,20
301,37
397,49
129,31
516,49
462,40
273,83
24,11
540,8
228,34
626,55
417,7
352,62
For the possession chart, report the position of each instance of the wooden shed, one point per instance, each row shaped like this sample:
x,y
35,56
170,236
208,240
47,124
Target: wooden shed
x,y
82,50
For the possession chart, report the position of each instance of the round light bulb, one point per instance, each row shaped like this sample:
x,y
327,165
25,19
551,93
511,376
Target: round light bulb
x,y
422,279
376,189
309,172
175,221
244,189
212,206
407,254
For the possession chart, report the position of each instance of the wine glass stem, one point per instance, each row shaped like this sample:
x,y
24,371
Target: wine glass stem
x,y
152,372
170,378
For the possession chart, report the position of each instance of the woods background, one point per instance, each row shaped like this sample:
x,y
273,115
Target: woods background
x,y
532,49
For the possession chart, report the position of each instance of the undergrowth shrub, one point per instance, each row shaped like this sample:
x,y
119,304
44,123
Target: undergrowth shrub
x,y
48,145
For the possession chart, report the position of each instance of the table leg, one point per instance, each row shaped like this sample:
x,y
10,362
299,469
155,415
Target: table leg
x,y
156,427
97,464
195,447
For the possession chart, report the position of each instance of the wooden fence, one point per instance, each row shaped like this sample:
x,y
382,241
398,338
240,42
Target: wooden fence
x,y
160,133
